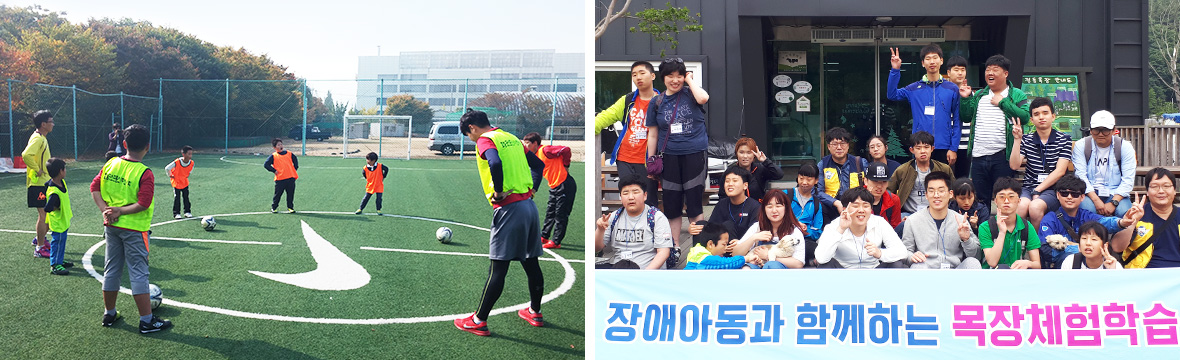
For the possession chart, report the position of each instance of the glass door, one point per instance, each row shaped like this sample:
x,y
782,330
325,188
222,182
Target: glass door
x,y
849,90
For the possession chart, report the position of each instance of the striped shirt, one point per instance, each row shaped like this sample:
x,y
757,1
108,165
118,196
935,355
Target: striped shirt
x,y
1041,158
966,139
989,127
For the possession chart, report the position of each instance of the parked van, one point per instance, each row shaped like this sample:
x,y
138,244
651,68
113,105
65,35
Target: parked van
x,y
445,138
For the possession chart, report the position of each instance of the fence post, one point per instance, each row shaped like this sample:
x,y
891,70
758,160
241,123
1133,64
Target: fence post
x,y
74,92
553,113
160,108
122,121
304,152
227,116
466,86
11,134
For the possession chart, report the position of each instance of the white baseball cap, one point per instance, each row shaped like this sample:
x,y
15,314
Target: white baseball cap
x,y
1102,119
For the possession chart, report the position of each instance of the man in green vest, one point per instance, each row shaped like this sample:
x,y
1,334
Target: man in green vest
x,y
123,192
510,174
35,155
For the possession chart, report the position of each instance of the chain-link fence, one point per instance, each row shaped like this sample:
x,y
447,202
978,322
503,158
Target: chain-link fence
x,y
82,119
416,118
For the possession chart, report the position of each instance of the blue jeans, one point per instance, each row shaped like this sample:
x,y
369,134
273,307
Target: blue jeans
x,y
768,265
57,248
1119,211
985,170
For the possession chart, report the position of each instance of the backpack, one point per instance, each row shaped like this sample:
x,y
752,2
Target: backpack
x,y
1142,253
995,229
1116,143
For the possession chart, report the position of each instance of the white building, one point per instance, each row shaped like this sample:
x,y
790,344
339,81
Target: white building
x,y
441,77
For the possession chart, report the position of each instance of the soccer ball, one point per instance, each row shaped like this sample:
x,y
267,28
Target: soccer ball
x,y
156,295
208,223
443,235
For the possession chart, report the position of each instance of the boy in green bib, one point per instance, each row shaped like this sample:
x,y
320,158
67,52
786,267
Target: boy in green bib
x,y
57,216
123,192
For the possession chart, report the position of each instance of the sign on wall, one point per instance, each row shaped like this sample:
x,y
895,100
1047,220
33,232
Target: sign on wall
x,y
1063,90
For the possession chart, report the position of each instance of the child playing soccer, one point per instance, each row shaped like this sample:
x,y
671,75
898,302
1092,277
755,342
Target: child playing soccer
x,y
374,181
562,188
57,216
123,192
178,171
284,164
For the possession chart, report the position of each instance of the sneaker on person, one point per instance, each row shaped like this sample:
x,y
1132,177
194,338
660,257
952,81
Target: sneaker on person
x,y
188,214
358,212
42,252
534,318
58,270
177,216
546,243
155,325
290,211
274,210
109,320
67,264
468,324
380,213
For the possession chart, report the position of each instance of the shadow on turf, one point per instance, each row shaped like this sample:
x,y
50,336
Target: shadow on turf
x,y
177,244
551,347
365,217
158,274
240,223
233,349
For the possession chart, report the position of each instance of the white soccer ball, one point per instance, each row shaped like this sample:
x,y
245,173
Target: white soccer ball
x,y
443,235
208,223
157,295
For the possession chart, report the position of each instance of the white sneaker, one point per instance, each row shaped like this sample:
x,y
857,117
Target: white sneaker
x,y
177,216
188,215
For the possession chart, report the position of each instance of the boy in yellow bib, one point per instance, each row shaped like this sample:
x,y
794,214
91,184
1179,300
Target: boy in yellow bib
x,y
123,192
57,216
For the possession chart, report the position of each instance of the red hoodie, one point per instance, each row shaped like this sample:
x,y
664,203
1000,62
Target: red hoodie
x,y
890,208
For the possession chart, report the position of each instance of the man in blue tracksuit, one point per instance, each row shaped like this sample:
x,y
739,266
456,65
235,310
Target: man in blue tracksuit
x,y
934,102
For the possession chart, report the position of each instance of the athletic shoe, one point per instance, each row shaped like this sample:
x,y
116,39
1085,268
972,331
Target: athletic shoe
x,y
545,243
673,258
468,324
177,216
67,264
290,211
109,320
58,270
533,318
34,241
188,214
274,210
358,212
380,213
42,252
155,325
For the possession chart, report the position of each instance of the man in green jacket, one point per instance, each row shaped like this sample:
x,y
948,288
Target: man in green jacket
x,y
990,111
630,152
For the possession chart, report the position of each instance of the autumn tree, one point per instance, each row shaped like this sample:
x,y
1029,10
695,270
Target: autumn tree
x,y
406,104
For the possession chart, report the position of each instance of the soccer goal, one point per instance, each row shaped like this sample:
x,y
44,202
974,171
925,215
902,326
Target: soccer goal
x,y
390,136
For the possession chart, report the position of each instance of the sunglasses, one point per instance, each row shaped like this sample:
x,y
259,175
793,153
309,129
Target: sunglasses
x,y
1100,131
1070,194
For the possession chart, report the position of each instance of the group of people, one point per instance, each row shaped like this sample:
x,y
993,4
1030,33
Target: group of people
x,y
510,169
954,205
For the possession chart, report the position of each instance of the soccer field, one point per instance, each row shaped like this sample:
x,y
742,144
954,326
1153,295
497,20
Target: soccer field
x,y
224,305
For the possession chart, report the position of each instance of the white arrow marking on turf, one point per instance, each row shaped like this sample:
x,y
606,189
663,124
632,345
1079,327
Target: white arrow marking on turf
x,y
334,270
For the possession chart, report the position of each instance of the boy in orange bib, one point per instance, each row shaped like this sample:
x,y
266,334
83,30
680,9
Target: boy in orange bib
x,y
374,175
178,171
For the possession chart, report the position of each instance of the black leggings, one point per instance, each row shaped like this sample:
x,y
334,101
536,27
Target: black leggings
x,y
495,285
177,195
684,184
365,201
281,186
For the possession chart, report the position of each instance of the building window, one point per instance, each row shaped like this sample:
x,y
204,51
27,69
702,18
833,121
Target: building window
x,y
413,76
536,60
540,87
442,88
413,88
474,60
505,60
566,75
477,88
503,88
505,76
536,76
441,101
567,87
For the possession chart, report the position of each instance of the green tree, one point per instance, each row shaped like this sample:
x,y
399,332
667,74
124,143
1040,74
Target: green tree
x,y
662,24
406,104
1164,54
67,55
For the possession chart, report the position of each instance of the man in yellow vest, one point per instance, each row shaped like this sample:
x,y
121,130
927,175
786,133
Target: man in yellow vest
x,y
509,174
35,155
284,164
123,192
562,188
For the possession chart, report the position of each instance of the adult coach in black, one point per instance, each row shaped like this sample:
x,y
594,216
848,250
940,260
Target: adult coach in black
x,y
509,174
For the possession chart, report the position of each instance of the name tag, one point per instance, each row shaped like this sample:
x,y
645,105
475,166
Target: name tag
x,y
945,266
930,110
1041,178
626,255
677,128
1102,191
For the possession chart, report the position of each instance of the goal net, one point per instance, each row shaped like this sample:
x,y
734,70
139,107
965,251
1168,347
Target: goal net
x,y
390,136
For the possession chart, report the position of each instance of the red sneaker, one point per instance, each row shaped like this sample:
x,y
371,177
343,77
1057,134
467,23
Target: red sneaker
x,y
545,243
468,324
42,252
534,319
